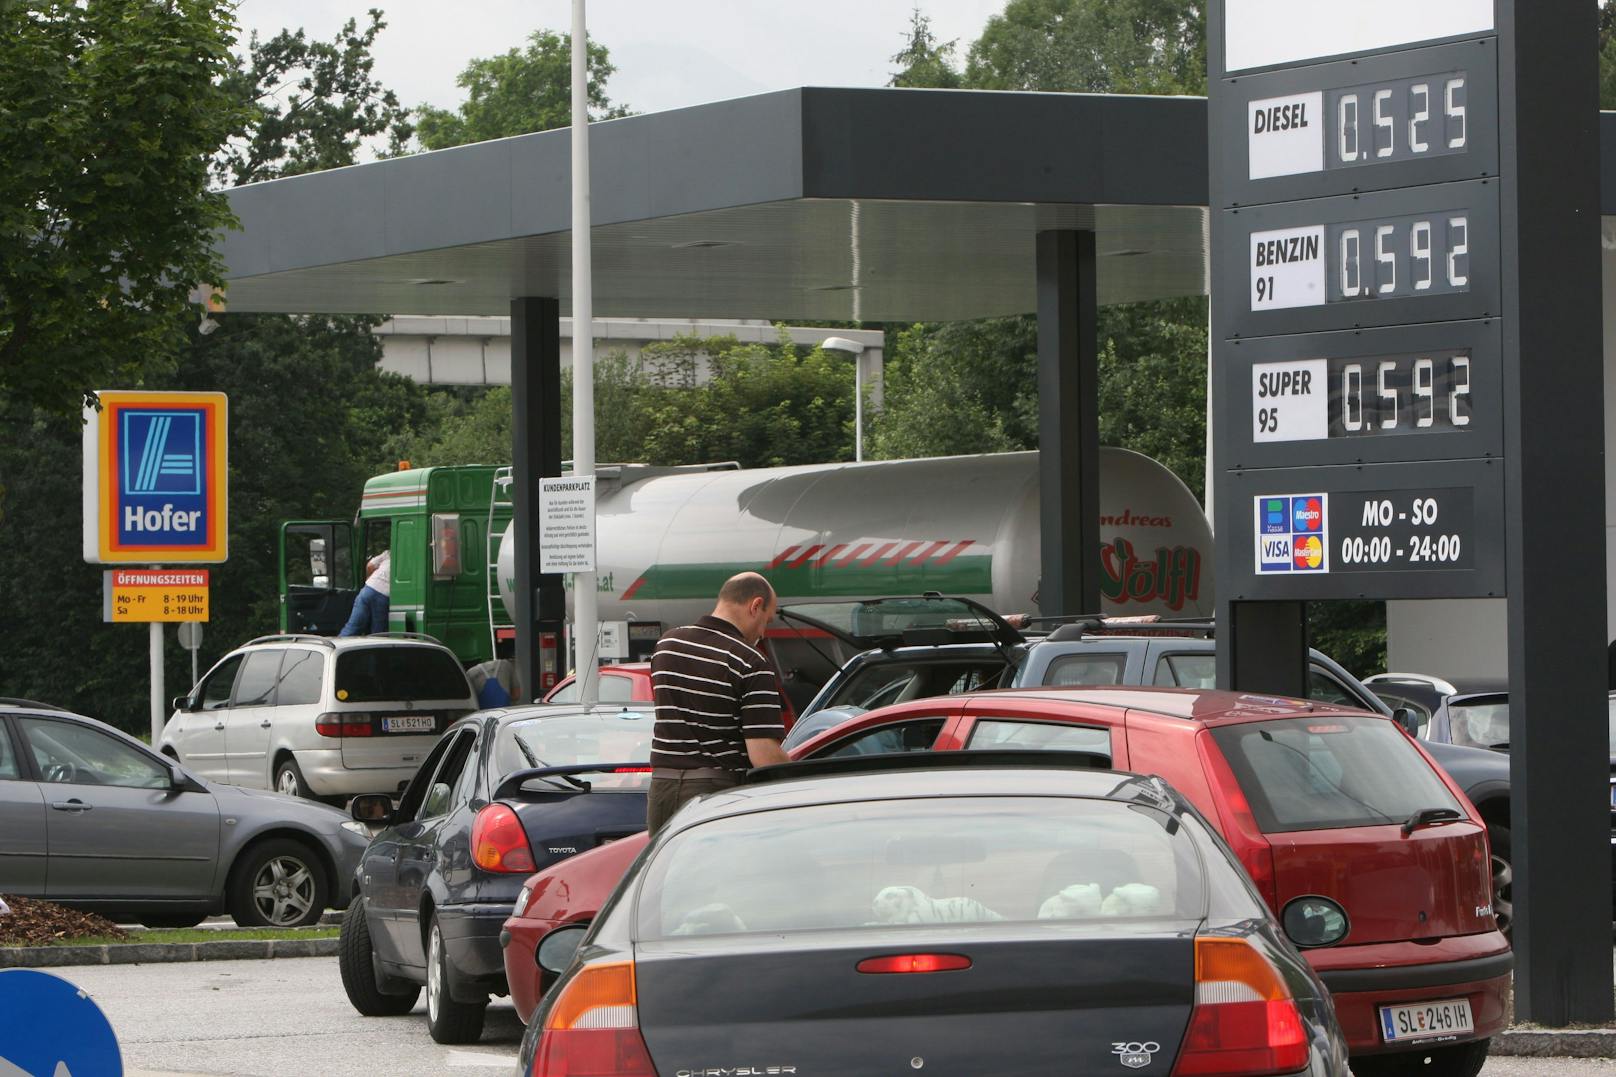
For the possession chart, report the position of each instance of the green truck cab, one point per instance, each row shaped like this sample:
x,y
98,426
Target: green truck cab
x,y
442,525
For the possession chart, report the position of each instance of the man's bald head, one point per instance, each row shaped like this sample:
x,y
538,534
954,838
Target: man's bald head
x,y
747,601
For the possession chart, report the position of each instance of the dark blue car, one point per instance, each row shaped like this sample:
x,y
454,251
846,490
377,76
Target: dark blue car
x,y
504,793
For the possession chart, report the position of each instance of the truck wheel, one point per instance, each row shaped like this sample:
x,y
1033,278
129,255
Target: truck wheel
x,y
364,985
277,883
289,779
447,1020
1459,1060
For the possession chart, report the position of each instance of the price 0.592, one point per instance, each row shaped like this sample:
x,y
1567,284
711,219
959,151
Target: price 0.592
x,y
1404,256
1399,394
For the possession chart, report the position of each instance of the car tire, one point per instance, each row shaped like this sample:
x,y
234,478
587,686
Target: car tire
x,y
172,919
356,959
1458,1060
1503,878
447,1020
289,780
277,883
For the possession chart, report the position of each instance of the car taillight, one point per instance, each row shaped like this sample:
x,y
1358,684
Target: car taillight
x,y
593,1029
498,842
1240,827
915,963
1245,1022
344,725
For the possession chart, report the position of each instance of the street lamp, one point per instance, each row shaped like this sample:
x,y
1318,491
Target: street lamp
x,y
856,350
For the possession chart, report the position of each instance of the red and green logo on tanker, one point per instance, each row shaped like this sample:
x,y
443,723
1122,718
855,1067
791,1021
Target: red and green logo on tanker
x,y
1171,576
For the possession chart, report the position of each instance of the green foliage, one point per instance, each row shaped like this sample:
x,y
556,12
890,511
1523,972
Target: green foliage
x,y
310,104
763,405
1351,632
1093,46
925,61
967,387
517,92
109,112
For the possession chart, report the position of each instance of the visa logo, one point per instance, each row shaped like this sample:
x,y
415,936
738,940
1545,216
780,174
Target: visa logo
x,y
1276,548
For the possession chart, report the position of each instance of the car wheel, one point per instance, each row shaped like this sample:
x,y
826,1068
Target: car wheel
x,y
277,883
1458,1060
372,994
289,779
447,1020
1503,878
173,920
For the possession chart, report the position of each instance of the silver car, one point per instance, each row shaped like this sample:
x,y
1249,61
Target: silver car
x,y
94,819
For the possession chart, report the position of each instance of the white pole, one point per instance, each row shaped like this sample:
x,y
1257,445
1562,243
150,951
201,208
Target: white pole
x,y
159,709
585,607
858,406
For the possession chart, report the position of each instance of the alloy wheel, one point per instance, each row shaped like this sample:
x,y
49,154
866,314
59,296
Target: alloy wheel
x,y
286,782
434,978
284,890
1503,907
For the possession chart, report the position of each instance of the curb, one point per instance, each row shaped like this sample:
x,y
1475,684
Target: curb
x,y
1557,1042
144,953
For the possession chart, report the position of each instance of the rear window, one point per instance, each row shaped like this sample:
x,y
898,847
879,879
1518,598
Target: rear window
x,y
1332,771
376,674
885,683
1483,724
878,864
559,740
1086,669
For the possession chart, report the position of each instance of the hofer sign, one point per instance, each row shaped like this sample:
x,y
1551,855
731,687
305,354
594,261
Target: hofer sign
x,y
156,472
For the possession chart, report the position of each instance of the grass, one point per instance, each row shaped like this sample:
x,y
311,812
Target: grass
x,y
197,934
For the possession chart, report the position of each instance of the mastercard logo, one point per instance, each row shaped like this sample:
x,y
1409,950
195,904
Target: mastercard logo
x,y
1308,552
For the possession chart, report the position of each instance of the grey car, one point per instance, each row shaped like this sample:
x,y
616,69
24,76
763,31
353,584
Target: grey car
x,y
94,819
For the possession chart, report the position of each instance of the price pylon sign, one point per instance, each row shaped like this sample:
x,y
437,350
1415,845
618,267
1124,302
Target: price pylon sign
x,y
142,595
156,476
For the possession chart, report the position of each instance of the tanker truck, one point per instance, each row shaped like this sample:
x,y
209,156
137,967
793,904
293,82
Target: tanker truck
x,y
668,537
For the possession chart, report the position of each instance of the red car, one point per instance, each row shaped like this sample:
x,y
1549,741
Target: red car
x,y
627,682
1369,854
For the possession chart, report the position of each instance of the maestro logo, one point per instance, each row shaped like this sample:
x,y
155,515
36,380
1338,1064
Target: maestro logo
x,y
1307,515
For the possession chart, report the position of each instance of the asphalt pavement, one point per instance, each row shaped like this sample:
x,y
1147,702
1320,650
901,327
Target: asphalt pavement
x,y
290,1017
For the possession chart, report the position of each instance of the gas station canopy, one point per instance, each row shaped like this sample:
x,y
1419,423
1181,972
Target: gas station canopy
x,y
810,204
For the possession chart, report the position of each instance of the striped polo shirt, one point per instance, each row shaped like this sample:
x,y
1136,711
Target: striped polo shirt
x,y
712,693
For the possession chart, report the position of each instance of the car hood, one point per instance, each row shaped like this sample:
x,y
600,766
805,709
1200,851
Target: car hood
x,y
265,800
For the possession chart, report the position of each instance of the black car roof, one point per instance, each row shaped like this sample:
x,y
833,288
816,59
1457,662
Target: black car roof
x,y
914,774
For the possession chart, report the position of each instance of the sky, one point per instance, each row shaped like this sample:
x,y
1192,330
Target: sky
x,y
668,53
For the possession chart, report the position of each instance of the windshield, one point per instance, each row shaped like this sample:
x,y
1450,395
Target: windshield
x,y
375,674
559,740
1332,771
1482,724
876,864
889,618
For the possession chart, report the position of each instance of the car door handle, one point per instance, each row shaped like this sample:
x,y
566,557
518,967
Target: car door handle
x,y
264,724
71,805
219,725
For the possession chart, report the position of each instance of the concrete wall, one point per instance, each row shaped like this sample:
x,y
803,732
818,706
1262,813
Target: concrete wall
x,y
1469,638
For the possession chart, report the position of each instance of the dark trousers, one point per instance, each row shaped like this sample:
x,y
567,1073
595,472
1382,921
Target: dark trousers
x,y
668,794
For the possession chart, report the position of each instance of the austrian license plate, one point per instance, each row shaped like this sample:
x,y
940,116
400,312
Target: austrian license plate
x,y
409,723
1426,1020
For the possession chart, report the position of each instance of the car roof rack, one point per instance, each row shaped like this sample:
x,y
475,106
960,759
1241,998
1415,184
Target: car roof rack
x,y
292,637
877,762
406,635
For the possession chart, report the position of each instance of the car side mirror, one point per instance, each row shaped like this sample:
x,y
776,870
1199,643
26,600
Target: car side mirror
x,y
182,704
375,809
557,949
1405,717
181,782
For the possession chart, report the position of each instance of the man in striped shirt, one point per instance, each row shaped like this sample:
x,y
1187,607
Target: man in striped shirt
x,y
717,707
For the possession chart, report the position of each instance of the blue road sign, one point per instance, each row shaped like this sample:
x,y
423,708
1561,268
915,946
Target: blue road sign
x,y
50,1028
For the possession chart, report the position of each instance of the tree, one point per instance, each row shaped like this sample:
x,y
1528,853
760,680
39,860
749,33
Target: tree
x,y
1093,46
309,105
518,92
109,112
1607,54
924,61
